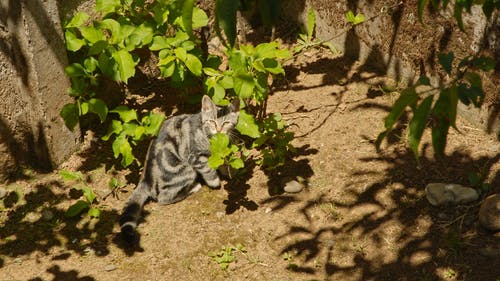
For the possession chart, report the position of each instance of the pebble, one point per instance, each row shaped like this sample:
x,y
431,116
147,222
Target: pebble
x,y
219,215
490,252
47,215
489,212
449,193
293,186
268,210
109,267
3,192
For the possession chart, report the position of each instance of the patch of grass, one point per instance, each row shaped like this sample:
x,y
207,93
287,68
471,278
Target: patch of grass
x,y
331,211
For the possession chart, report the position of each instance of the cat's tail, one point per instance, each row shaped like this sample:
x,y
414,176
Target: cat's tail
x,y
132,212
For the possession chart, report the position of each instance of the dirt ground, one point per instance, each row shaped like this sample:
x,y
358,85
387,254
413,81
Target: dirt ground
x,y
362,216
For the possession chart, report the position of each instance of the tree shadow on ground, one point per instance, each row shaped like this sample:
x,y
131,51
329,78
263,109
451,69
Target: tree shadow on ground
x,y
36,223
426,236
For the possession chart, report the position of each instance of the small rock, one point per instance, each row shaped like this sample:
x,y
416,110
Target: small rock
x,y
89,251
449,193
110,267
268,210
219,215
490,252
293,186
47,215
3,192
489,212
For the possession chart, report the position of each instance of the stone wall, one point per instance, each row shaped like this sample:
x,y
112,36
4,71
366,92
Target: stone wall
x,y
32,87
393,42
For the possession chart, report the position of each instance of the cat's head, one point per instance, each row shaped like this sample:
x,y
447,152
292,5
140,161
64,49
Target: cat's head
x,y
219,120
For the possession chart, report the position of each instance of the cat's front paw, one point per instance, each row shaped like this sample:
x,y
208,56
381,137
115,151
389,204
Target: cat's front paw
x,y
213,183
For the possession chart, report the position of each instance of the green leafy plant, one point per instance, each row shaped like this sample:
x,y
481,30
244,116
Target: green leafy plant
x,y
89,199
306,38
354,19
104,48
226,255
438,105
289,259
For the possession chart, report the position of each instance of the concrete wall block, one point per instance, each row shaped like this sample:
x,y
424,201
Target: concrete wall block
x,y
33,85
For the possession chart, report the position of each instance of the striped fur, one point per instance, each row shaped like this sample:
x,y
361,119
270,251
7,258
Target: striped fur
x,y
175,159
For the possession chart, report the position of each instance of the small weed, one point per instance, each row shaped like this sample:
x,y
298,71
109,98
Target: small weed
x,y
331,211
359,247
226,255
88,204
450,274
290,265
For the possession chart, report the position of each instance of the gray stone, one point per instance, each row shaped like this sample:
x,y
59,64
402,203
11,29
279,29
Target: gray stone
x,y
293,186
47,215
489,212
490,252
449,193
3,192
110,267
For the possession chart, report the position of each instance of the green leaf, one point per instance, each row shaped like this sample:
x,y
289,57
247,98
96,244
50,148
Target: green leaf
x,y
114,128
126,114
484,63
92,34
94,213
108,67
76,209
273,66
88,193
70,176
154,123
75,70
237,163
424,80
408,97
122,147
114,27
98,47
187,16
200,18
243,85
474,179
421,5
225,17
126,64
107,6
349,16
441,114
73,43
457,13
446,60
246,125
98,107
69,113
78,20
84,108
141,36
159,43
418,123
193,64
311,21
90,64
218,150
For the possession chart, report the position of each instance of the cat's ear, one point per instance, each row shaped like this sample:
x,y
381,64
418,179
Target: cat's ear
x,y
207,105
235,105
208,109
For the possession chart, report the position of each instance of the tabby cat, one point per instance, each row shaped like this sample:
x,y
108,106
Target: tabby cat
x,y
175,159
